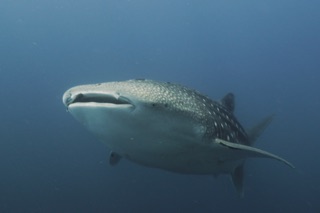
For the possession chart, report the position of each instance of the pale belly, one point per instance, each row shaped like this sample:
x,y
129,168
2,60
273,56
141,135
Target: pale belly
x,y
171,144
181,156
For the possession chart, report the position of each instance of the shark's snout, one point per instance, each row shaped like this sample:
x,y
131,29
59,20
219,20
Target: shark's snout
x,y
67,98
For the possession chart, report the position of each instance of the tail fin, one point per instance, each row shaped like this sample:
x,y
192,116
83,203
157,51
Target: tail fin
x,y
257,130
253,134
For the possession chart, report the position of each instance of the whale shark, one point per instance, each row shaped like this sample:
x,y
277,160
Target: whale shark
x,y
168,126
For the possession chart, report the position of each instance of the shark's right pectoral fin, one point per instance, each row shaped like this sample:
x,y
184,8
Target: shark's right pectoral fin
x,y
114,158
242,151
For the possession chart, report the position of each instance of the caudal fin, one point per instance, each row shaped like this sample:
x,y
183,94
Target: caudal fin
x,y
257,130
234,151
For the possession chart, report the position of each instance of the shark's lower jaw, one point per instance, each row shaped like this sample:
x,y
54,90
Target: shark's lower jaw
x,y
101,118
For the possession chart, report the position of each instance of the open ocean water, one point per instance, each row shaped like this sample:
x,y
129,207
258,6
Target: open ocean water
x,y
266,52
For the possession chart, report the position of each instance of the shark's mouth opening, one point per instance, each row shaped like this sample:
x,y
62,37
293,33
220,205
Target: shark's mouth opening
x,y
100,98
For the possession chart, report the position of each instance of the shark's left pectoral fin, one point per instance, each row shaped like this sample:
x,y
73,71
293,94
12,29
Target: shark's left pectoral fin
x,y
248,151
114,158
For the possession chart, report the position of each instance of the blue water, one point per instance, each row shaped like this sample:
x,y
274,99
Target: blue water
x,y
266,52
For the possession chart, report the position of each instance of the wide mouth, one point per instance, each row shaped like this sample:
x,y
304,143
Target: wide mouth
x,y
95,98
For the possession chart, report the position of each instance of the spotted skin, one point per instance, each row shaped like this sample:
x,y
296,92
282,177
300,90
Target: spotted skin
x,y
219,122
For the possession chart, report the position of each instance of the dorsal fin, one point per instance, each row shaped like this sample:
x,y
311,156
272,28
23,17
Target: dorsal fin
x,y
228,101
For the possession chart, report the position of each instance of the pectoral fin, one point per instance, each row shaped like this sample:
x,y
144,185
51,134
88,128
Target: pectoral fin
x,y
114,158
243,151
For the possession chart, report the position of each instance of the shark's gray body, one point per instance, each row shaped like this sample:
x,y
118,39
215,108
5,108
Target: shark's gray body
x,y
167,126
